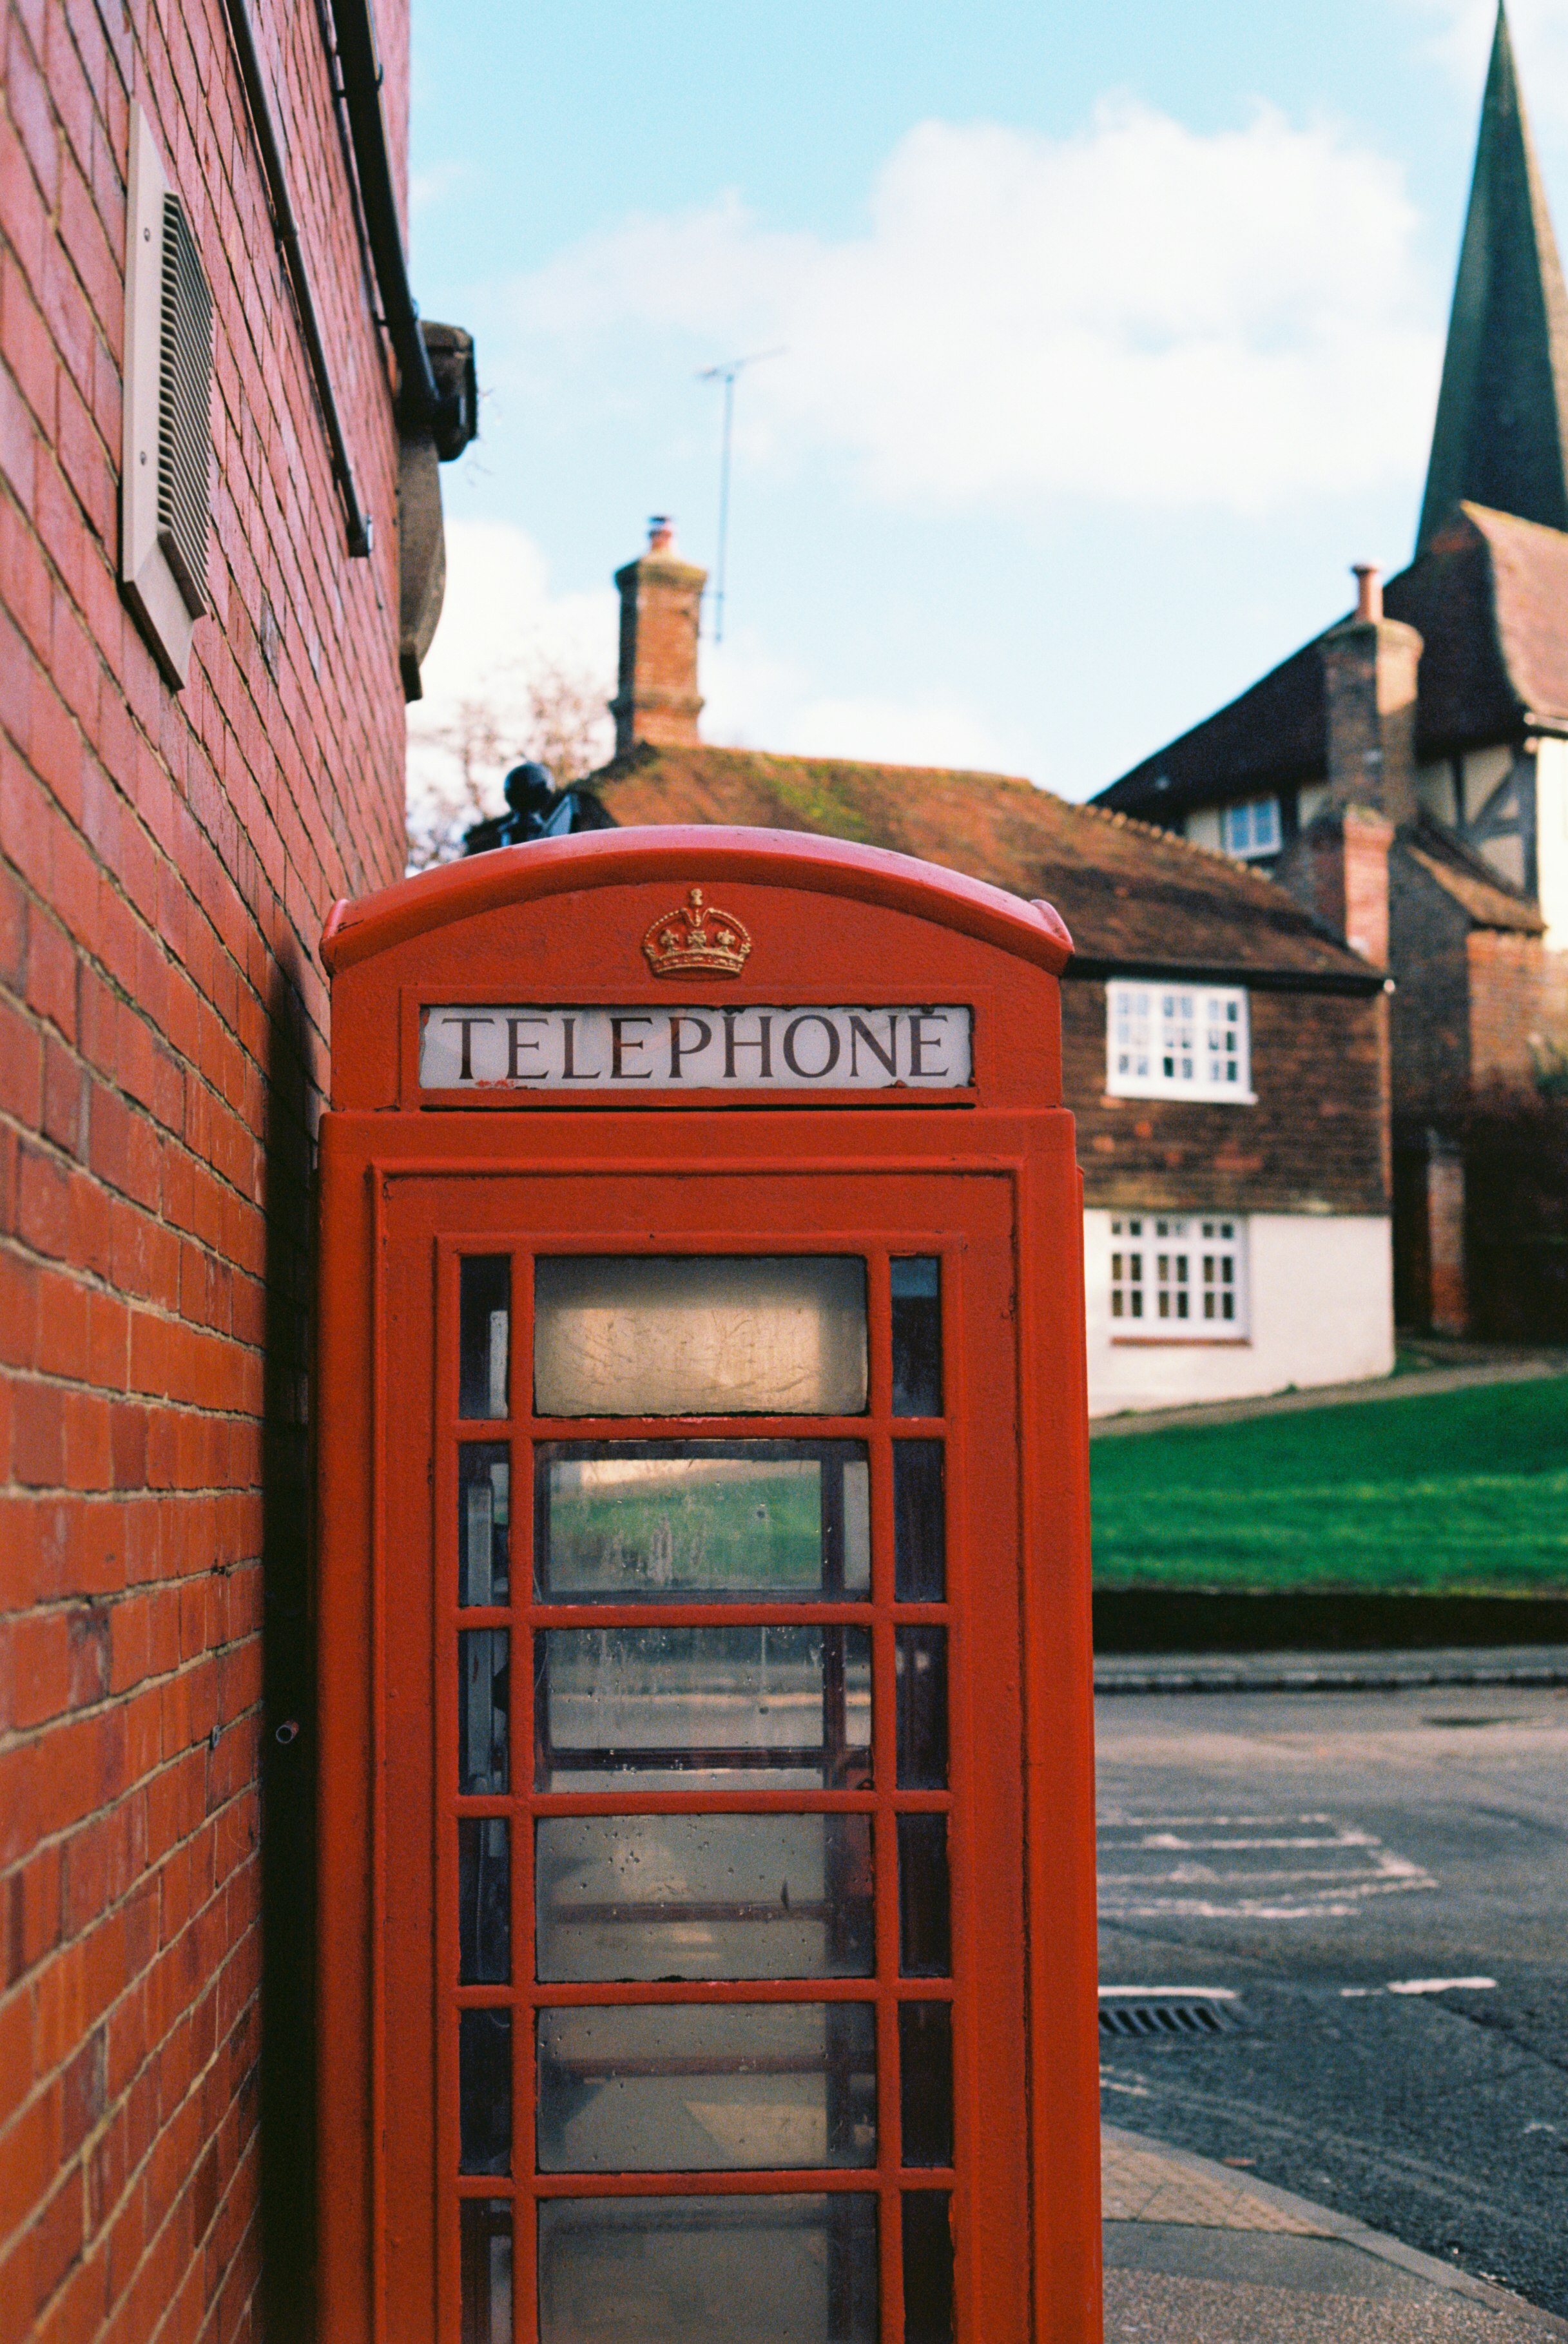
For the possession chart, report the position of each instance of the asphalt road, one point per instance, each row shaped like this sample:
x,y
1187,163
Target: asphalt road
x,y
1311,1852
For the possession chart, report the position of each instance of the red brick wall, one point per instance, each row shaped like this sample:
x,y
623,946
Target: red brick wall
x,y
1518,1008
1315,1141
166,863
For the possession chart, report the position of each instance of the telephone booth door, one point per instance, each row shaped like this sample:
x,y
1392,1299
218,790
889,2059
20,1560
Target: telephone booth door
x,y
703,1957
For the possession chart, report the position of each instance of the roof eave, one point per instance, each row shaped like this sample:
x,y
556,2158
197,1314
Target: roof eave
x,y
1088,967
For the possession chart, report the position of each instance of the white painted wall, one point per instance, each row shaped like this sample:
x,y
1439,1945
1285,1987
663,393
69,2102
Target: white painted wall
x,y
1552,839
1321,1313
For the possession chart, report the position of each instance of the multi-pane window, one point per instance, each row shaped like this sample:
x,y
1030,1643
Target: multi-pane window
x,y
698,1813
1251,828
1175,1041
1175,1276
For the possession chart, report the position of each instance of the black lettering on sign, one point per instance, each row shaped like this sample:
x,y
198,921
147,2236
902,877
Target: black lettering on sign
x,y
811,1074
465,1071
920,1042
859,1031
515,1043
679,1049
762,1042
876,1049
618,1044
568,1073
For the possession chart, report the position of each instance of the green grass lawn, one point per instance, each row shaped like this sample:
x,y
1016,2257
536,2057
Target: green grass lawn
x,y
1455,1492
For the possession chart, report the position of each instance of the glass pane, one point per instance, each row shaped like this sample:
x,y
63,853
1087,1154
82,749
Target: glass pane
x,y
925,2081
485,2239
706,1335
484,1511
484,1900
707,2087
919,1522
643,1521
726,2270
918,1336
484,1700
706,1896
484,2091
920,1660
928,2266
688,1708
484,1327
924,1924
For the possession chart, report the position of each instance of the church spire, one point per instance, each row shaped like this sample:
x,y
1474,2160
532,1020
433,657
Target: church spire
x,y
1502,433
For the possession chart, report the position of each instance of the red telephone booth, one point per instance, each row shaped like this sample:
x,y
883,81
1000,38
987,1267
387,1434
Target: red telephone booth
x,y
707,1945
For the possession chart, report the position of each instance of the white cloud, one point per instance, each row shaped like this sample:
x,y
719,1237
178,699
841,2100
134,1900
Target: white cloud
x,y
500,608
502,624
1138,313
433,185
932,729
502,628
1460,36
755,700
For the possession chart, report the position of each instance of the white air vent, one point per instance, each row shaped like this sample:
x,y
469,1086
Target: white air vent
x,y
167,429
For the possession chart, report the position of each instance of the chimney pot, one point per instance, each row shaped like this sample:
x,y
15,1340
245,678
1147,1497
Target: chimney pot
x,y
660,533
1369,591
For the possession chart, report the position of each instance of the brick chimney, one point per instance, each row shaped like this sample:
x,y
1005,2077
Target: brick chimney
x,y
1338,868
1369,666
1338,865
657,700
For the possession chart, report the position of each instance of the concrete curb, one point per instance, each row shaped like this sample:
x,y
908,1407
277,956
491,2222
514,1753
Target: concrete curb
x,y
1323,2222
1537,1665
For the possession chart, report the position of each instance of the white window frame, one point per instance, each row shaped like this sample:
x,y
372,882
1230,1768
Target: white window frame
x,y
1172,1040
1179,1278
1250,826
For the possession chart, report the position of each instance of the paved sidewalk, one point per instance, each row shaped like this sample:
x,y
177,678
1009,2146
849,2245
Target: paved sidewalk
x,y
1501,1367
1197,2253
1390,1671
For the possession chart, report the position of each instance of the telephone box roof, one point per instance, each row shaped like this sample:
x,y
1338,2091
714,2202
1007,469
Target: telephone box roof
x,y
828,866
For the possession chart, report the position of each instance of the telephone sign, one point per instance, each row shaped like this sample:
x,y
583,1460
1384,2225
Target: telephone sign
x,y
707,1934
539,1045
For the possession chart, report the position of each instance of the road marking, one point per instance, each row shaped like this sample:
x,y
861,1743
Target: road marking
x,y
1226,1868
1438,1985
1417,1985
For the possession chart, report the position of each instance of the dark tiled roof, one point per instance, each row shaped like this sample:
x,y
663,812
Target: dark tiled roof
x,y
1528,569
1132,896
1465,875
1490,597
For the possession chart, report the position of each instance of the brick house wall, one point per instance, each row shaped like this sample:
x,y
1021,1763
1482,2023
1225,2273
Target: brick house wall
x,y
1518,1006
1314,1142
167,861
1431,1018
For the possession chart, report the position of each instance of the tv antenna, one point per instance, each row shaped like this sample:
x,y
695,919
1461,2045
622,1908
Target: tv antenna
x,y
726,373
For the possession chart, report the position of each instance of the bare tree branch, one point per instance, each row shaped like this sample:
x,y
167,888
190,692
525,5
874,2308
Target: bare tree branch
x,y
534,707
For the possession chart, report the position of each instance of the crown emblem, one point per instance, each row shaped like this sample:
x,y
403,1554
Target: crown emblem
x,y
697,935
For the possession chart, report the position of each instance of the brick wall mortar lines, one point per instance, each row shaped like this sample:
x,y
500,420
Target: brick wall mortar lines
x,y
1313,1143
164,867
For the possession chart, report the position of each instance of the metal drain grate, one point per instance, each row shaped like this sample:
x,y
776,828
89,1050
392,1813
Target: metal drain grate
x,y
1185,2016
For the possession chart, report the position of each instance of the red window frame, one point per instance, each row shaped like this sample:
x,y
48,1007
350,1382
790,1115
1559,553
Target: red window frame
x,y
974,1234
